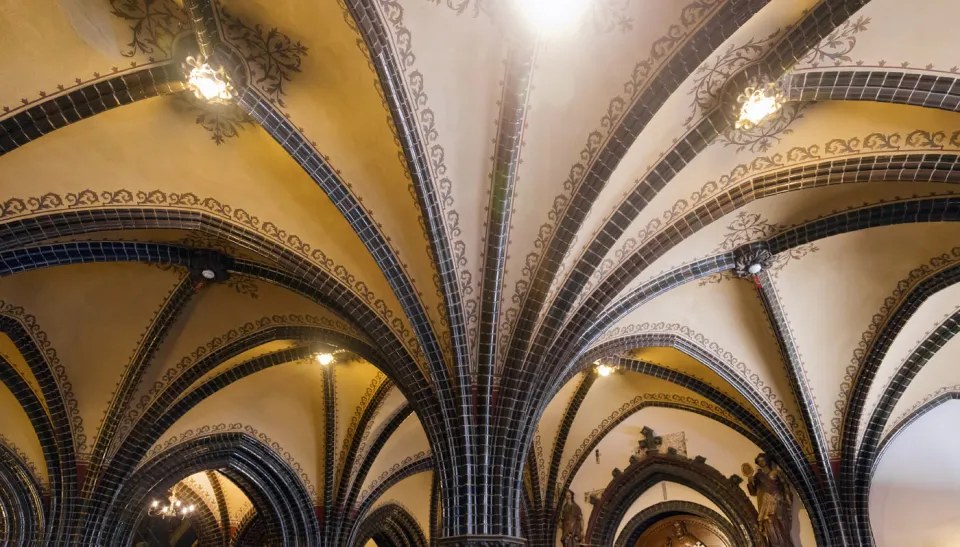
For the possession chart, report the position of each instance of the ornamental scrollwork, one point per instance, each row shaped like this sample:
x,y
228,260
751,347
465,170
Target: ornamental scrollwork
x,y
836,47
272,56
748,228
153,25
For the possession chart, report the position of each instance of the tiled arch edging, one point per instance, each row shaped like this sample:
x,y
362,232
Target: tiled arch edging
x,y
817,23
915,210
626,119
930,282
638,477
323,289
78,104
448,397
868,453
639,523
263,476
940,209
579,326
720,412
926,90
302,328
248,530
357,501
170,253
35,219
407,468
22,499
160,417
150,342
10,462
387,515
58,433
771,433
921,283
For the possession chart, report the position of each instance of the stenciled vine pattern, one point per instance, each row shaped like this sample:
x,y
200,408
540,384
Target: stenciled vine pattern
x,y
748,228
890,304
837,46
273,57
25,460
153,25
916,140
90,199
223,121
473,7
402,41
59,371
610,15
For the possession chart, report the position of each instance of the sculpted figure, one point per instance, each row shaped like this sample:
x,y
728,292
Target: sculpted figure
x,y
682,538
571,522
774,501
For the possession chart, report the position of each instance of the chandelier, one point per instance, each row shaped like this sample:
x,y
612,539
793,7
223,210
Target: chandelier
x,y
207,84
759,104
173,508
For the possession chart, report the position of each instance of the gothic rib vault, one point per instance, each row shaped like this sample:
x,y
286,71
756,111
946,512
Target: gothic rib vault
x,y
470,219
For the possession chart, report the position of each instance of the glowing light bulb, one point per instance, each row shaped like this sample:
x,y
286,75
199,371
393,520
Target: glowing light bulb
x,y
177,503
604,370
207,84
758,105
191,508
325,358
548,17
155,503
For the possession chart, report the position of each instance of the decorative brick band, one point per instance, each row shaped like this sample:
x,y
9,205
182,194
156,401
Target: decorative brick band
x,y
82,103
637,525
388,516
408,469
869,447
802,393
926,90
638,477
23,516
259,472
518,83
854,412
947,395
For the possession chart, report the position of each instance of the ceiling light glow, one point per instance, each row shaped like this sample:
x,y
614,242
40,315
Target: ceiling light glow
x,y
604,370
548,17
207,84
759,104
324,358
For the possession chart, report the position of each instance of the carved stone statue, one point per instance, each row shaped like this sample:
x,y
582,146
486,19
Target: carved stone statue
x,y
774,501
571,522
682,538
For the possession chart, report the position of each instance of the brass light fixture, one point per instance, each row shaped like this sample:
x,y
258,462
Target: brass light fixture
x,y
173,508
759,104
325,358
207,84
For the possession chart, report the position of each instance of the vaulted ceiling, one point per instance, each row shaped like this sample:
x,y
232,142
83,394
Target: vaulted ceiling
x,y
459,210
